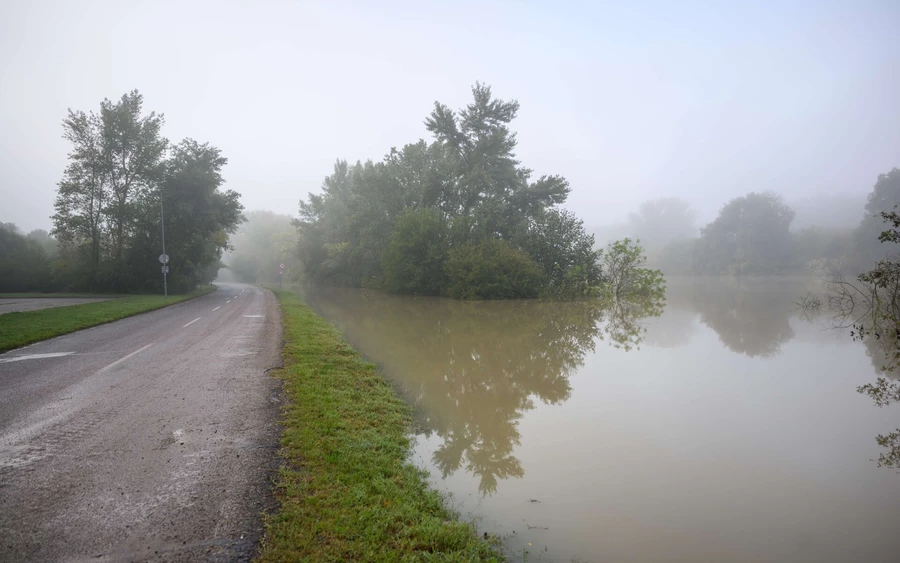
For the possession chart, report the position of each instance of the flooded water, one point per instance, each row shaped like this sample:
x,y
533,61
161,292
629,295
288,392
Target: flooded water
x,y
721,426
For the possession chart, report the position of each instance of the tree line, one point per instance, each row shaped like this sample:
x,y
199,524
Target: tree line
x,y
753,235
459,216
121,171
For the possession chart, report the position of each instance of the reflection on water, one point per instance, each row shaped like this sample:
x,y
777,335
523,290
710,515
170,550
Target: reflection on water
x,y
716,426
473,368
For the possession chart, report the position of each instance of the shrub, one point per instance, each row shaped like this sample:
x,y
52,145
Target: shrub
x,y
414,259
491,269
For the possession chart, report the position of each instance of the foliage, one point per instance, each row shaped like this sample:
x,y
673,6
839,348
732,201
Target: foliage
x,y
413,261
663,221
24,260
108,203
751,235
626,276
260,245
469,182
22,328
491,269
870,308
347,491
884,196
564,251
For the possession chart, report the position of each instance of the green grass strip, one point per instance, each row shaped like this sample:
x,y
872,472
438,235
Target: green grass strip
x,y
23,328
346,491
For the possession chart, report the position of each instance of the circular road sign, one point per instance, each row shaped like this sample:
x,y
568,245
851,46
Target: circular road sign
x,y
281,266
164,258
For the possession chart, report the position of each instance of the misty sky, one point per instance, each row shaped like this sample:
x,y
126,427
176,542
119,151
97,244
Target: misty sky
x,y
628,100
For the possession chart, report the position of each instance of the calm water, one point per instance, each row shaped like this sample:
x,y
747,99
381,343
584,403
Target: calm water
x,y
720,427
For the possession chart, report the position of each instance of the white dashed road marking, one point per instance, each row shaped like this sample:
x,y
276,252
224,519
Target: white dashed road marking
x,y
122,359
192,322
35,357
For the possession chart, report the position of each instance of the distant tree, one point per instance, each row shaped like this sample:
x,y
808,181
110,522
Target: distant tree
x,y
47,242
260,245
24,265
751,235
662,221
884,196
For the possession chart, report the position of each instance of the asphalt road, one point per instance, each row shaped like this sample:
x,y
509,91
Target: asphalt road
x,y
13,304
151,438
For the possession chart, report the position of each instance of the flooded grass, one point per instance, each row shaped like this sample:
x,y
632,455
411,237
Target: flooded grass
x,y
19,329
347,491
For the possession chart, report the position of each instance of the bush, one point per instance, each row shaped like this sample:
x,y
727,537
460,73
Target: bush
x,y
626,276
491,269
413,261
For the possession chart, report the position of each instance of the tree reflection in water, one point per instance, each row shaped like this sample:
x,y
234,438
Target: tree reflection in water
x,y
472,369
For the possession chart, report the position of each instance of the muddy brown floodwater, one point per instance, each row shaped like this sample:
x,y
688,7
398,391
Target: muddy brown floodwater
x,y
721,426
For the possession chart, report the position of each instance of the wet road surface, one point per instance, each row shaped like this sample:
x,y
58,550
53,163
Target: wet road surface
x,y
19,304
150,439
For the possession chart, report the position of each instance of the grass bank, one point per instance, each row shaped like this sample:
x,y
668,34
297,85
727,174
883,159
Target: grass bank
x,y
23,328
346,491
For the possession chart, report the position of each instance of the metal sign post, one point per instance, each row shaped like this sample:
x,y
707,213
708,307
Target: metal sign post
x,y
281,274
163,258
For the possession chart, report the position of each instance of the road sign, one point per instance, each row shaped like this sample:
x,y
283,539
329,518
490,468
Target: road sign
x,y
165,269
281,266
164,258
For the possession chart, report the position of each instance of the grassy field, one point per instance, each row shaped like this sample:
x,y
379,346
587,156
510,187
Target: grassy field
x,y
347,491
20,329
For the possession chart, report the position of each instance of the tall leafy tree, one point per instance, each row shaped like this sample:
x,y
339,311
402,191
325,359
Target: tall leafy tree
x,y
107,216
83,194
375,223
751,235
133,151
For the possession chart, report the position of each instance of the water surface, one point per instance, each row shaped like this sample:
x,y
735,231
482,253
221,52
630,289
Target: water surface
x,y
720,427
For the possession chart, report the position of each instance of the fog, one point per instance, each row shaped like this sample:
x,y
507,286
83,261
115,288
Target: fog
x,y
629,103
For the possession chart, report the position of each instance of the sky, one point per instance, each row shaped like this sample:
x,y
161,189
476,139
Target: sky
x,y
628,100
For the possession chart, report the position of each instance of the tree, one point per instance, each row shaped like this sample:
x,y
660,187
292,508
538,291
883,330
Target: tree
x,y
751,235
79,222
199,217
24,264
870,308
662,221
413,261
108,203
557,242
884,196
260,245
626,276
491,269
469,182
132,154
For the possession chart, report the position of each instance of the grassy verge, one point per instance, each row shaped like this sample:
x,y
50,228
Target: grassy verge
x,y
347,492
20,329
